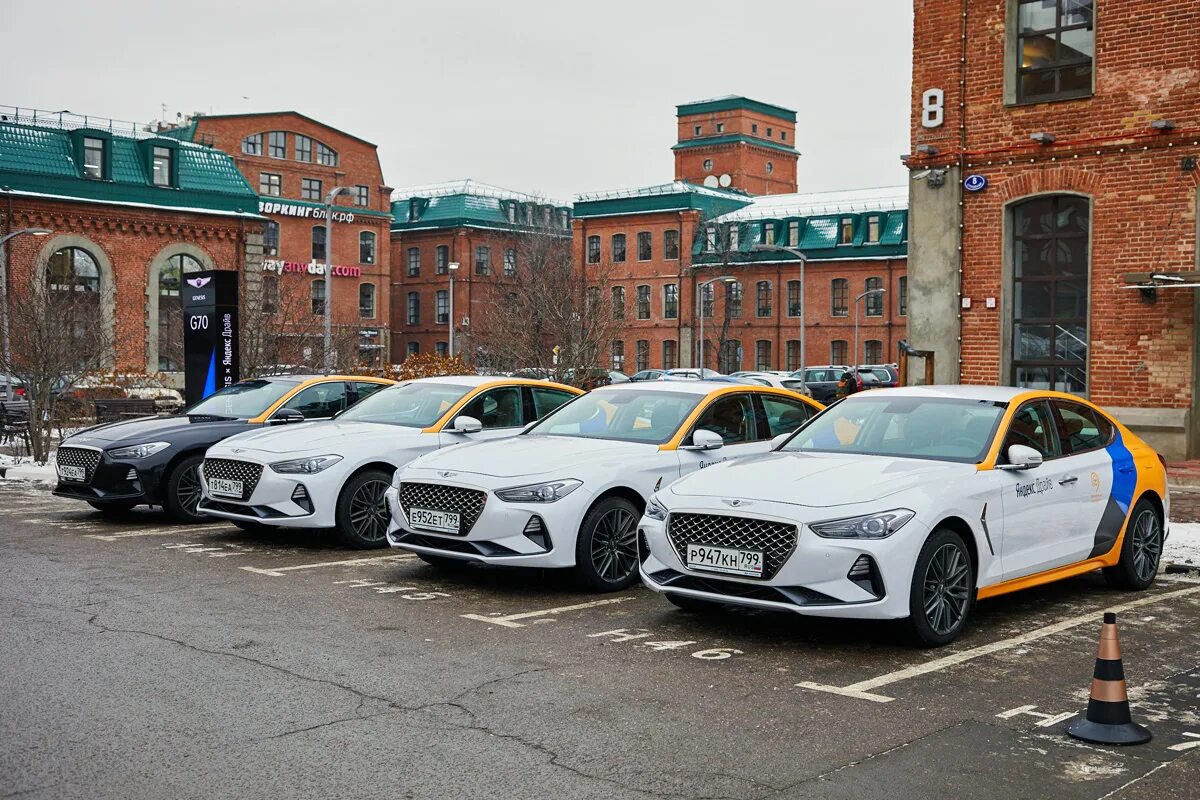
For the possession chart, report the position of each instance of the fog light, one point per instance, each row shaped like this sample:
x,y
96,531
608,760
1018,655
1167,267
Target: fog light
x,y
300,497
535,531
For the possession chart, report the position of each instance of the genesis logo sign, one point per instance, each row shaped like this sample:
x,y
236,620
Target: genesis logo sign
x,y
199,283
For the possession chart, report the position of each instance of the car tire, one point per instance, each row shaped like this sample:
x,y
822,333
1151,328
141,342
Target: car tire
x,y
606,554
691,604
183,492
942,593
362,516
444,562
1141,550
112,508
252,527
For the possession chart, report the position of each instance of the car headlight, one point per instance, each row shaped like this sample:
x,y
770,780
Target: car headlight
x,y
139,450
546,492
305,466
868,526
655,509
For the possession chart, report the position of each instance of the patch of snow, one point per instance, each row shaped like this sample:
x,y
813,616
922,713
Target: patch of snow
x,y
1183,545
23,468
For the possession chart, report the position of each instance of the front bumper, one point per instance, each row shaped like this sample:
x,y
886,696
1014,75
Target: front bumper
x,y
286,501
815,579
109,480
510,534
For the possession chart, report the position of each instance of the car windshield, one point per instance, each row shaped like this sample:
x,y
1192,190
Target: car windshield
x,y
937,428
242,400
627,415
411,405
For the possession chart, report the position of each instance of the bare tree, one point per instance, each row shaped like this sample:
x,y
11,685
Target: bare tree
x,y
722,247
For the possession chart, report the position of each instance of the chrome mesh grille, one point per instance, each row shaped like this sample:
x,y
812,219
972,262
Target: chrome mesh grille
x,y
228,469
467,503
776,540
80,457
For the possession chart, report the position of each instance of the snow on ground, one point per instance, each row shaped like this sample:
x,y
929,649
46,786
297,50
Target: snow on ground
x,y
1183,545
24,468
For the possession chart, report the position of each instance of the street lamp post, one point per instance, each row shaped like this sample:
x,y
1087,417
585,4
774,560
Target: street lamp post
x,y
333,195
700,314
452,267
4,302
779,248
855,359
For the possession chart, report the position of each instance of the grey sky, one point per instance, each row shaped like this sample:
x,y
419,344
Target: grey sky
x,y
548,97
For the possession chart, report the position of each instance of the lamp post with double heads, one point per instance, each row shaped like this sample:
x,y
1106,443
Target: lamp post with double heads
x,y
779,248
452,267
4,300
856,361
700,314
333,195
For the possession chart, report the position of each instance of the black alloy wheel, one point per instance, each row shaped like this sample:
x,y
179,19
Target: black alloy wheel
x,y
362,512
183,491
1141,549
942,590
606,552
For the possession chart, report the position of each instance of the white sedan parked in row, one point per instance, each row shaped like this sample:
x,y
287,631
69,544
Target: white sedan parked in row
x,y
568,492
334,474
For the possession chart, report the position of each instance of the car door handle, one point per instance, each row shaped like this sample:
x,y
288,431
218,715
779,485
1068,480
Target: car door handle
x,y
1067,480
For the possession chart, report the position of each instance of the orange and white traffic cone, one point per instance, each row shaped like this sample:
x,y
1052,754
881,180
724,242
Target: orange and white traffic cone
x,y
1107,720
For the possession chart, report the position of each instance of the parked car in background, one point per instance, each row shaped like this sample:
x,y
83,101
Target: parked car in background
x,y
784,381
688,373
888,374
646,375
822,381
853,381
18,389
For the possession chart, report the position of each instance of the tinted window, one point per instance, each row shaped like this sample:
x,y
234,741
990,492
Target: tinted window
x,y
243,400
320,401
546,400
497,408
1031,426
411,405
631,415
784,415
366,389
732,418
1081,429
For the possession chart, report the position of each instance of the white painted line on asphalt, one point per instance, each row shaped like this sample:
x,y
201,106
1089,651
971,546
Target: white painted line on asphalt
x,y
510,620
280,572
862,689
175,529
1043,720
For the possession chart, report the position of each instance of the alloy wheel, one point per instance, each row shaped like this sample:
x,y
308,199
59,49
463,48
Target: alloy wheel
x,y
368,511
1147,544
189,490
947,588
614,545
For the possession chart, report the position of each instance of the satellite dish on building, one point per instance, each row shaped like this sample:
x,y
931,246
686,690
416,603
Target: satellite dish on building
x,y
725,180
711,181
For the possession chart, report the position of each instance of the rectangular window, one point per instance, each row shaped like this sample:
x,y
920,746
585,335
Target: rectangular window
x,y
310,189
733,298
618,248
442,306
414,348
706,301
366,300
872,351
643,302
671,301
768,233
1056,44
838,350
270,294
720,127
483,260
318,242
303,148
839,291
162,166
671,245
696,130
670,354
441,259
317,293
325,156
734,234
762,355
874,301
618,355
366,247
793,233
763,305
872,230
618,302
794,303
93,158
710,238
902,296
362,196
414,262
277,144
510,262
593,250
793,355
783,136
642,355
269,184
769,132
442,349
645,250
754,127
252,144
846,231
414,308
271,238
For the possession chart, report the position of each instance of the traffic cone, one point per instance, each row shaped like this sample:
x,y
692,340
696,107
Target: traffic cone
x,y
1107,719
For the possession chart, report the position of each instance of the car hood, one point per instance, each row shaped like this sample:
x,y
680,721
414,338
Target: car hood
x,y
149,429
816,479
326,436
562,456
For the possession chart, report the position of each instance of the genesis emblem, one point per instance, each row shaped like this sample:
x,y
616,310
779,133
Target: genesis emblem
x,y
239,449
447,474
198,282
734,502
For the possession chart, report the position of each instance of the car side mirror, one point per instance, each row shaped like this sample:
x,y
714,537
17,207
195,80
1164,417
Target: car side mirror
x,y
285,416
465,424
1021,458
778,441
704,440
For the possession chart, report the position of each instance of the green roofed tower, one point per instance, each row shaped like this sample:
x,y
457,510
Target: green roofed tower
x,y
734,142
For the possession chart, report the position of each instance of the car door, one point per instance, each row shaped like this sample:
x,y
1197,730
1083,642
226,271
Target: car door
x,y
500,411
733,418
778,415
1037,503
1102,478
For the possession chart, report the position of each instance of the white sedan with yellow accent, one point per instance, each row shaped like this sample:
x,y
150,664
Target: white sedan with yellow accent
x,y
334,474
568,491
914,503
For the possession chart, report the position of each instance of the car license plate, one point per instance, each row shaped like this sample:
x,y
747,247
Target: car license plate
x,y
724,559
72,473
225,488
441,521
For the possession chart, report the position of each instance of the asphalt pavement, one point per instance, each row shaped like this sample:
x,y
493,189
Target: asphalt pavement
x,y
139,659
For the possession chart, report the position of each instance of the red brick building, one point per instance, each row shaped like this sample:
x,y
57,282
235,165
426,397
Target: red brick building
x,y
1054,200
294,162
736,143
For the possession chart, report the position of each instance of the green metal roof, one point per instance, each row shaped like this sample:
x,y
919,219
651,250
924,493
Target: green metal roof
x,y
708,141
735,103
48,160
470,204
818,238
677,196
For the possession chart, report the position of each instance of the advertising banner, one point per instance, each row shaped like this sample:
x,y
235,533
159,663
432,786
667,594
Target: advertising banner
x,y
210,332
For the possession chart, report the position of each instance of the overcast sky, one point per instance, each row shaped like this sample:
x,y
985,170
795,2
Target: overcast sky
x,y
553,98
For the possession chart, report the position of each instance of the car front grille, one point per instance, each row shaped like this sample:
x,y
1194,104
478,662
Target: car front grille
x,y
776,540
228,469
80,457
467,503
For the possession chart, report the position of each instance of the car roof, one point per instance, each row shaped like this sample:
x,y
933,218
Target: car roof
x,y
995,394
700,387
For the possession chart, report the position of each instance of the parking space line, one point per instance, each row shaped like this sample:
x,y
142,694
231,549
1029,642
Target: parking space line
x,y
862,690
510,620
280,572
112,537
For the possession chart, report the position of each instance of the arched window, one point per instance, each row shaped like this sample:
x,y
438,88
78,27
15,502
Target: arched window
x,y
73,269
73,281
170,310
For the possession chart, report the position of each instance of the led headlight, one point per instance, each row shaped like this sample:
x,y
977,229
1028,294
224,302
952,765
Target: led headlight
x,y
139,450
546,492
655,509
868,526
305,466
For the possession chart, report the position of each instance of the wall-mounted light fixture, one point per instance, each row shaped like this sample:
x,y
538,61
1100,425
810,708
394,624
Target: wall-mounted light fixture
x,y
1163,125
1041,137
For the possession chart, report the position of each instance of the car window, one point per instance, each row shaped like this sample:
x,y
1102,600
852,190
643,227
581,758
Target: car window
x,y
1031,426
1081,429
546,400
364,389
319,401
496,408
784,415
415,404
243,400
628,415
730,417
